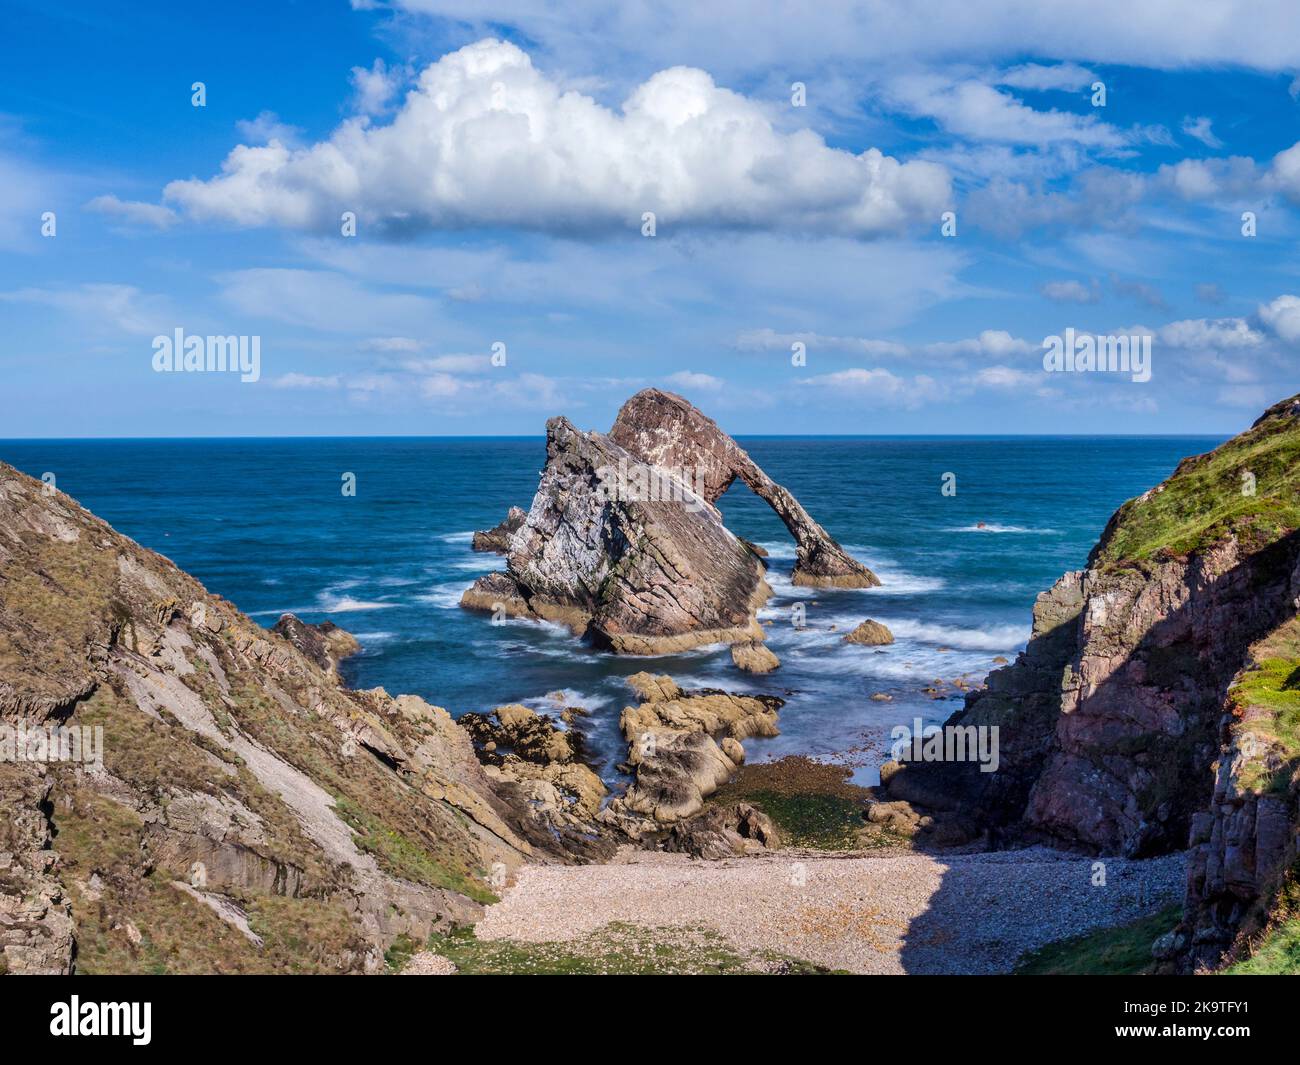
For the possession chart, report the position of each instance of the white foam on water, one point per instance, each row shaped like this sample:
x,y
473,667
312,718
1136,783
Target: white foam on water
x,y
343,604
993,527
457,537
983,638
445,596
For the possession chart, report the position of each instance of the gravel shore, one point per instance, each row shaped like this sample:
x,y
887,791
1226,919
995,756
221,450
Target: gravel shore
x,y
893,913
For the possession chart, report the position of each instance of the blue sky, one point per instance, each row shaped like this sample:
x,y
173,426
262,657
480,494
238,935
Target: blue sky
x,y
499,158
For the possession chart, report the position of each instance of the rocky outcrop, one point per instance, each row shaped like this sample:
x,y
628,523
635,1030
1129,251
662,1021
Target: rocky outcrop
x,y
1134,722
639,576
682,746
306,825
725,831
546,764
754,657
870,634
1246,845
624,545
497,539
325,644
665,431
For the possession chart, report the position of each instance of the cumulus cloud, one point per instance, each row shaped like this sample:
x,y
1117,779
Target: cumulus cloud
x,y
375,87
1282,317
486,139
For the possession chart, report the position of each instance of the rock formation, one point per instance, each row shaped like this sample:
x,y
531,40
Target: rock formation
x,y
1148,710
682,746
498,539
665,431
240,792
870,634
754,657
624,545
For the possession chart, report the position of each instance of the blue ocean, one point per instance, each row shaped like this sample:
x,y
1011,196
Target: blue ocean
x,y
265,523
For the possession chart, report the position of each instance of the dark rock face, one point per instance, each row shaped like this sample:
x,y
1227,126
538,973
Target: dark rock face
x,y
664,430
498,538
623,544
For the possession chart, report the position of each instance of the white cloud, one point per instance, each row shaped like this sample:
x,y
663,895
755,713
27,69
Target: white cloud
x,y
1040,78
1210,334
699,382
1201,129
121,307
304,381
1282,316
1167,34
486,139
374,88
770,340
133,211
1072,291
971,108
267,127
878,387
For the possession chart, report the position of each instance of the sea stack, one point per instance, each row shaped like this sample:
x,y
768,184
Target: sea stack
x,y
623,542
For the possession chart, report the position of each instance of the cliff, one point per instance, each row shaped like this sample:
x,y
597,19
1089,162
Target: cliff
x,y
1156,705
227,806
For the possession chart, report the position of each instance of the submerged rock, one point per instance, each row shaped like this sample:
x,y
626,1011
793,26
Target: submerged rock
x,y
624,545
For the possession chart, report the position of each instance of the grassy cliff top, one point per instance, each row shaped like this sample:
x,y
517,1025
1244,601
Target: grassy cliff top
x,y
1248,487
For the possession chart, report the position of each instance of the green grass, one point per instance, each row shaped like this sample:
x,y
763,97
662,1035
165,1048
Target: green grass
x,y
1266,702
1124,950
1203,501
401,857
1277,954
616,950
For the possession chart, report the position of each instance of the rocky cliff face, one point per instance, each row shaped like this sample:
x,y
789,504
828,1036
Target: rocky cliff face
x,y
246,812
1122,724
624,545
